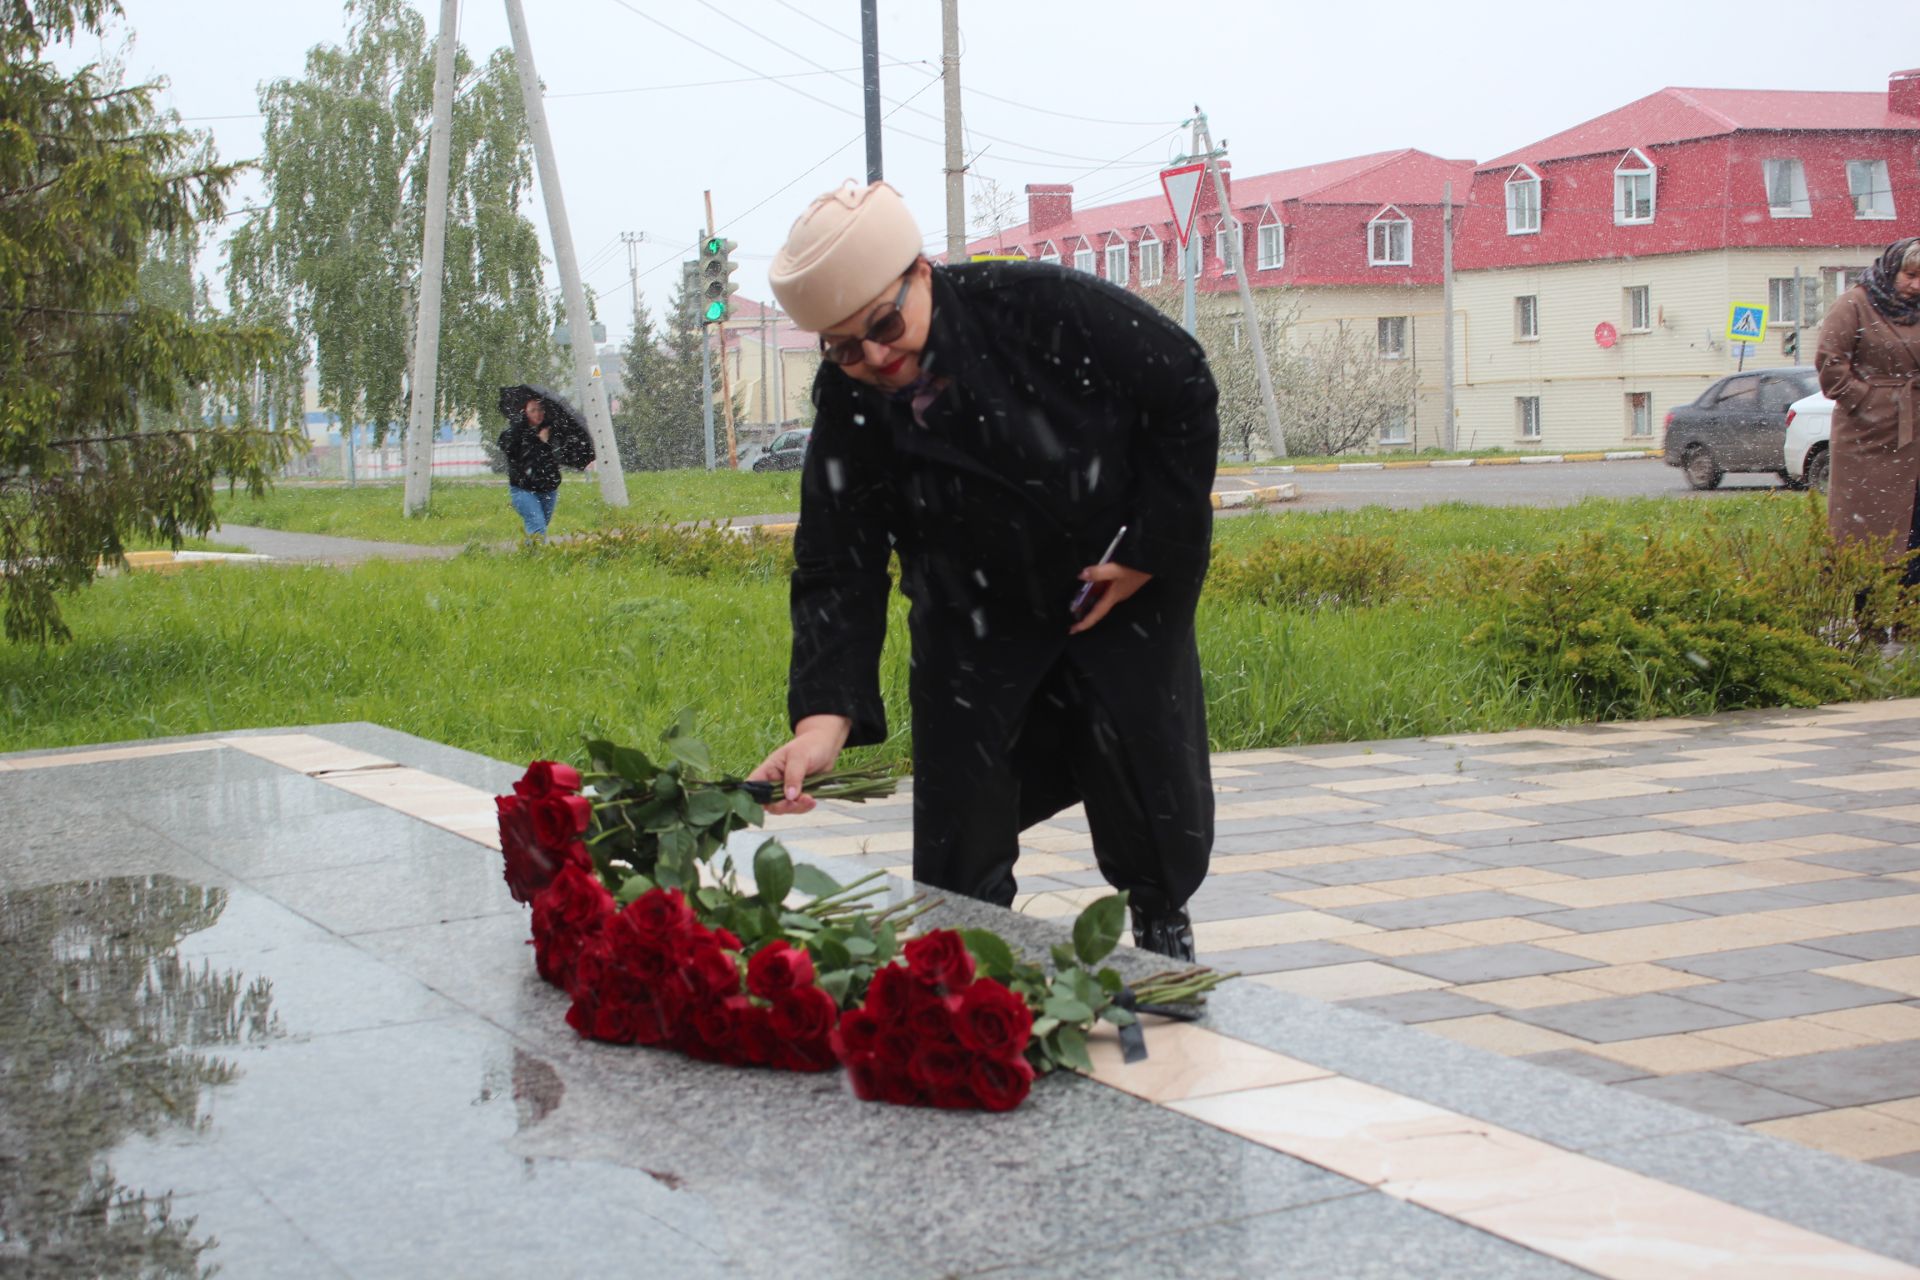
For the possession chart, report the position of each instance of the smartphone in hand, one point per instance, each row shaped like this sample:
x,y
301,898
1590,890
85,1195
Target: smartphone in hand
x,y
1090,592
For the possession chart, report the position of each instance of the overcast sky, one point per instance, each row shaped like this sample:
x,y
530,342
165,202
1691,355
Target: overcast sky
x,y
1092,94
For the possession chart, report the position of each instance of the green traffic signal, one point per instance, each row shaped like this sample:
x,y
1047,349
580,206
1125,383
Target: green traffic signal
x,y
716,312
713,244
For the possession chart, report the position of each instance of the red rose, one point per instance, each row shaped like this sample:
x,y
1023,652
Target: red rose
x,y
866,1076
855,1035
932,1016
895,1047
753,1033
940,958
999,1084
726,939
546,777
890,994
959,1098
709,973
804,1013
804,1055
659,915
777,968
712,1028
992,1020
936,1067
566,916
530,867
897,1088
559,820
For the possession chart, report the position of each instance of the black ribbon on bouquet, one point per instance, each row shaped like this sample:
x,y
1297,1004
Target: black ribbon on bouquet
x,y
1133,1037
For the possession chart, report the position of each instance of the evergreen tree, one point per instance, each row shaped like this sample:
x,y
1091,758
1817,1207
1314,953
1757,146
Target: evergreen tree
x,y
662,425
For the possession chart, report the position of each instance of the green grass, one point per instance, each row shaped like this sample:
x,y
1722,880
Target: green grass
x,y
464,511
516,655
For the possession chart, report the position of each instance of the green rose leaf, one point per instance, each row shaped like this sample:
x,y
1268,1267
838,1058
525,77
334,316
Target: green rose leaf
x,y
706,807
690,753
836,982
772,872
829,955
630,764
666,787
1072,1044
1044,1027
1097,931
1117,1016
1063,957
858,946
635,886
991,950
810,879
1068,1009
746,808
799,922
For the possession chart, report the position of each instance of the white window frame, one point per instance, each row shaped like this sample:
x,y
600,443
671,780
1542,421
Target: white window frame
x,y
1639,308
1786,176
1526,317
1223,245
1527,417
1394,429
1049,252
1879,186
1639,410
1379,255
1116,259
1153,261
1273,245
1625,174
1398,326
1523,202
1085,259
1784,309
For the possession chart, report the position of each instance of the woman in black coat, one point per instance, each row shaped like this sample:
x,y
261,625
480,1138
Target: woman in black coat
x,y
997,425
538,440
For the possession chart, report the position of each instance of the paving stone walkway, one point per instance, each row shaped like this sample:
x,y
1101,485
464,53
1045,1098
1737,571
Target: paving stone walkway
x,y
1723,914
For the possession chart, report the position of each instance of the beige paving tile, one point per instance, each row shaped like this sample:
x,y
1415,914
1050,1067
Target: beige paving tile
x,y
1513,877
1072,842
1894,813
1320,854
1425,886
1907,1109
1752,750
1671,1055
1864,916
1033,862
304,752
1503,804
1911,877
1544,755
1654,886
1872,712
876,842
1902,974
1718,767
1407,942
1220,771
1737,813
1188,1061
1528,993
1633,843
1597,784
1876,780
1226,864
1441,824
1398,782
1799,733
1252,760
821,816
1356,760
1826,842
1859,1132
1492,1032
1338,895
1358,981
1690,937
107,755
1501,929
1792,871
1884,1022
1787,1037
1288,807
1635,979
1635,1228
1273,930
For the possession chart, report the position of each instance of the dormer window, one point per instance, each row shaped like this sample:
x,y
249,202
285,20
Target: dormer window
x,y
1786,189
1633,184
1523,201
1868,185
1273,241
1152,260
1049,252
1083,257
1116,254
1390,239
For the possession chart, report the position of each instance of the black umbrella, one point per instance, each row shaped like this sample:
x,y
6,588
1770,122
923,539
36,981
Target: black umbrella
x,y
572,445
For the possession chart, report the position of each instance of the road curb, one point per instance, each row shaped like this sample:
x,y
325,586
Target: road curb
x,y
1504,460
1256,497
174,561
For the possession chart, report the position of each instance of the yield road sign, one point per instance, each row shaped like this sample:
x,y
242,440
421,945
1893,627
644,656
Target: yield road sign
x,y
1182,187
1746,322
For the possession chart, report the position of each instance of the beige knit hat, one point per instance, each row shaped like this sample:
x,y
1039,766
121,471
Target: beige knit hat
x,y
842,252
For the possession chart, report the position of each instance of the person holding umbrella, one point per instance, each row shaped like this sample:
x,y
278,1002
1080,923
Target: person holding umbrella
x,y
544,433
1038,447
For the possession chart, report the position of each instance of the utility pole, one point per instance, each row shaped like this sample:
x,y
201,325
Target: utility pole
x,y
956,159
706,364
613,482
779,376
1190,251
633,240
1276,436
1446,309
766,401
726,382
870,66
423,386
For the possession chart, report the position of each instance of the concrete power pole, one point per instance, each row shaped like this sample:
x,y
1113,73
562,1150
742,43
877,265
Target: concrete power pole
x,y
423,386
956,159
1446,315
1190,253
1276,436
870,67
633,240
613,482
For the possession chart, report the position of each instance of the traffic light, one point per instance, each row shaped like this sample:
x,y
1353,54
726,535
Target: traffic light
x,y
1790,345
716,265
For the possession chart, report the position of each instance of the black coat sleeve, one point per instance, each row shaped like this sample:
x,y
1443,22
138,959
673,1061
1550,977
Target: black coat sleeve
x,y
513,442
573,446
840,552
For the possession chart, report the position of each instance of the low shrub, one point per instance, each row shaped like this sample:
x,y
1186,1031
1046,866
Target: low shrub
x,y
1342,570
702,551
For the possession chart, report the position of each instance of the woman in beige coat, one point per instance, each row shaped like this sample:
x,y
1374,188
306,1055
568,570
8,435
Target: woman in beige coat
x,y
1869,362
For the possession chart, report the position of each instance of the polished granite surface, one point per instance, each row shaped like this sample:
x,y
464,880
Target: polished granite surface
x,y
257,1022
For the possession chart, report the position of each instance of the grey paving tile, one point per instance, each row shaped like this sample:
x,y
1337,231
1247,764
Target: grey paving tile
x,y
1627,915
1753,962
1217,901
1738,902
1421,1006
1586,1065
1627,1017
1843,1077
1451,908
1285,956
1722,1096
1881,944
1487,964
1851,890
1907,1164
1368,870
1872,862
1608,865
1521,853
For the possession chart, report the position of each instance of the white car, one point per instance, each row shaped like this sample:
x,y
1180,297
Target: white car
x,y
1809,419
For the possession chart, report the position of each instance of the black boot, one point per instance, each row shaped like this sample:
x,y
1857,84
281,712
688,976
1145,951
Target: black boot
x,y
1169,933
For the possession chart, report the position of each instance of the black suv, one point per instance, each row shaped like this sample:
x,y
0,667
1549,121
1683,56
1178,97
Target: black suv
x,y
786,453
1738,424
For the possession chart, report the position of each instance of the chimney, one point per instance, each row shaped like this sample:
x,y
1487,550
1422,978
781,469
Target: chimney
x,y
1903,92
1049,204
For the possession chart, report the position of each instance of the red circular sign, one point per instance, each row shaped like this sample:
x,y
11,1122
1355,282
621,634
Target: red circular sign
x,y
1605,334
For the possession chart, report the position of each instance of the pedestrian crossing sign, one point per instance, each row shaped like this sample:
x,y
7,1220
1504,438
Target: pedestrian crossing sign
x,y
1746,322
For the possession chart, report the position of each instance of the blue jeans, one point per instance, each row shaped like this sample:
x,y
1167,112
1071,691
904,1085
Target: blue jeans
x,y
535,509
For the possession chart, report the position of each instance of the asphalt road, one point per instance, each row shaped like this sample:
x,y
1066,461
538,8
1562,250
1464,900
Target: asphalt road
x,y
1535,485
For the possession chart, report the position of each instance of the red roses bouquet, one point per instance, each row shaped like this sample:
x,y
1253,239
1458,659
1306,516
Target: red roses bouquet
x,y
651,955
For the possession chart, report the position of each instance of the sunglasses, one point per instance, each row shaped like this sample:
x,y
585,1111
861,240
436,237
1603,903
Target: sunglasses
x,y
884,331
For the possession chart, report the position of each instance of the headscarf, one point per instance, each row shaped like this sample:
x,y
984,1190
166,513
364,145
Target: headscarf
x,y
1878,282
